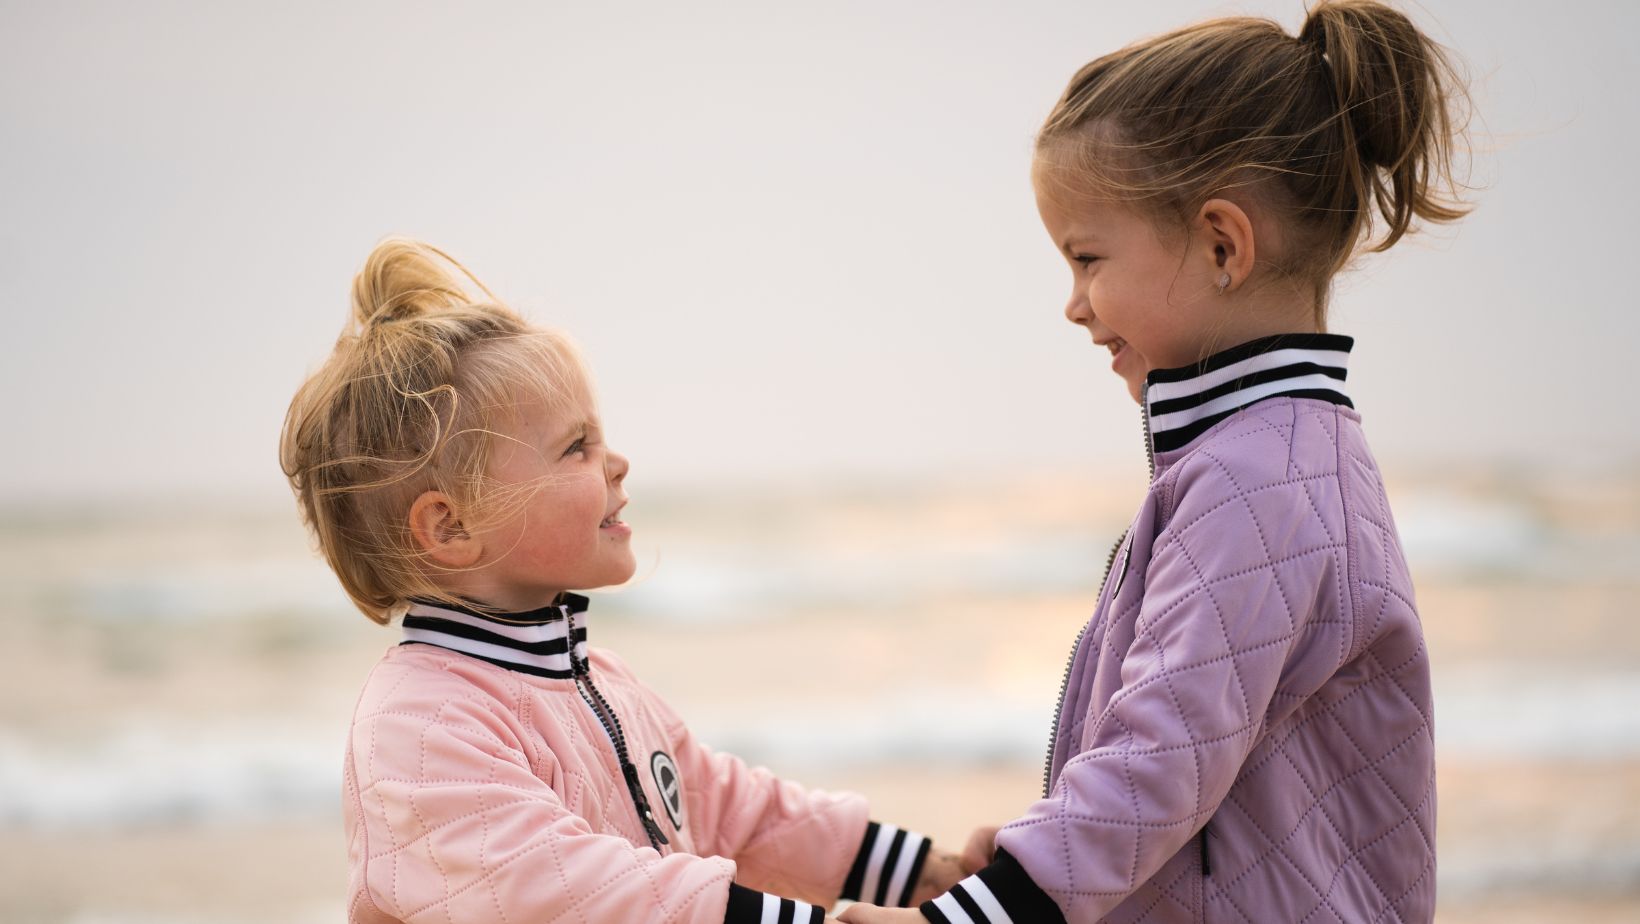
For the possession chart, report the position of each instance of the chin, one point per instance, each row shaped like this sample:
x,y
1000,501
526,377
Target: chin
x,y
622,574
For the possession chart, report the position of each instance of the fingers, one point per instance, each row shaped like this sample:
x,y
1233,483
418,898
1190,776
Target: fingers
x,y
981,849
942,870
871,914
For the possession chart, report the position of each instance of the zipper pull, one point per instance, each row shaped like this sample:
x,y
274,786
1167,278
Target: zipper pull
x,y
1121,575
576,665
645,813
653,827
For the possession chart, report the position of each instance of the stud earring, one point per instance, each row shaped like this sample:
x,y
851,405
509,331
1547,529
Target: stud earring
x,y
1223,282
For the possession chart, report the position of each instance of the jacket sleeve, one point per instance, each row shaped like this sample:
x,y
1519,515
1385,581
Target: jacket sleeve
x,y
452,823
790,840
1215,630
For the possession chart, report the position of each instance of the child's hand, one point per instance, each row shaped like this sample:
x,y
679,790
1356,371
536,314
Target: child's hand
x,y
981,849
871,914
942,870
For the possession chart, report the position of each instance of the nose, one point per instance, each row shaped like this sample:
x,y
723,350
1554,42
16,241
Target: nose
x,y
615,466
1076,310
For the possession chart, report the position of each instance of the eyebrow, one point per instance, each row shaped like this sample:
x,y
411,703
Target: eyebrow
x,y
577,430
1082,236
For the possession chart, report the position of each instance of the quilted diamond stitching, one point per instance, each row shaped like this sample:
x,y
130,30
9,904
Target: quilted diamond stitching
x,y
1410,813
1392,907
1232,575
1219,894
1320,804
1178,531
1412,701
1360,690
1167,892
1274,847
1224,631
1138,813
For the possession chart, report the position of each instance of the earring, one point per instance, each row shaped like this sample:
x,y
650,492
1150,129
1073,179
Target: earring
x,y
1223,282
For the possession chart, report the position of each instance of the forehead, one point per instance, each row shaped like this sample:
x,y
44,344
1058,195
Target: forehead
x,y
553,407
540,396
1073,217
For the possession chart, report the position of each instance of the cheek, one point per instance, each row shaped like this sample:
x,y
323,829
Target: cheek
x,y
564,517
582,503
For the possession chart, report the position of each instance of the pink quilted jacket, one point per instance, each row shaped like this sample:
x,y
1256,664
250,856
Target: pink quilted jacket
x,y
498,770
1245,731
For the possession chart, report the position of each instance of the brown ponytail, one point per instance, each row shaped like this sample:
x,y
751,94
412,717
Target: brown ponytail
x,y
1354,116
1391,86
409,401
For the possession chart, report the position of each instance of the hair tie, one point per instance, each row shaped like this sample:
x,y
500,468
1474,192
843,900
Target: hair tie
x,y
1315,36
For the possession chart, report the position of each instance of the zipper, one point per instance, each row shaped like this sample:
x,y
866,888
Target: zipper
x,y
1065,681
1144,416
612,727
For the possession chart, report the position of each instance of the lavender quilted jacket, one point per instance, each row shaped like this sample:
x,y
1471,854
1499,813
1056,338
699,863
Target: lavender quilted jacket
x,y
1245,732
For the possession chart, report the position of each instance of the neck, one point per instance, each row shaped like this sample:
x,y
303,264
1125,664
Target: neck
x,y
1258,310
491,594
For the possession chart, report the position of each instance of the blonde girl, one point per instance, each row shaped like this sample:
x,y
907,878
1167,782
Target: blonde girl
x,y
1244,733
451,464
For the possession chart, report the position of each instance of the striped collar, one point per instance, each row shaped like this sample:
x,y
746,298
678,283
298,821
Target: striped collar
x,y
1182,404
548,642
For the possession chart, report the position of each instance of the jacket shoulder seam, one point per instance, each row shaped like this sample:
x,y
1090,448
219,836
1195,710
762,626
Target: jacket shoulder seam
x,y
1352,566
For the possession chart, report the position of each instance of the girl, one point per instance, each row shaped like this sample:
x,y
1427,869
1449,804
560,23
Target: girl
x,y
1244,733
449,460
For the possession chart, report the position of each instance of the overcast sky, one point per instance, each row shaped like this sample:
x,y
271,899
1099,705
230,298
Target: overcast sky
x,y
796,240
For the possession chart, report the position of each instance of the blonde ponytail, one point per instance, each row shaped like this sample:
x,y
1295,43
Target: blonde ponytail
x,y
404,278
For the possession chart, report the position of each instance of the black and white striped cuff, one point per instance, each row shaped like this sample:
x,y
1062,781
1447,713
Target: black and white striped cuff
x,y
1001,893
885,870
749,906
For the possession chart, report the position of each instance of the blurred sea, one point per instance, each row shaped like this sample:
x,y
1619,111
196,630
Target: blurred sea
x,y
182,678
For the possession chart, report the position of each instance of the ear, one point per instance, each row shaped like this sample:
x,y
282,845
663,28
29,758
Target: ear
x,y
436,526
1224,234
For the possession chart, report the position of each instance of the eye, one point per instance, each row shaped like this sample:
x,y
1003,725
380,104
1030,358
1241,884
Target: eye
x,y
579,446
1085,259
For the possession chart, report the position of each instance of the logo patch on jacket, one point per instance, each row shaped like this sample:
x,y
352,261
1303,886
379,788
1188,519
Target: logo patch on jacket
x,y
669,785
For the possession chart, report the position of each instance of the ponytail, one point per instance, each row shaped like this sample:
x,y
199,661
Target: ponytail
x,y
1391,86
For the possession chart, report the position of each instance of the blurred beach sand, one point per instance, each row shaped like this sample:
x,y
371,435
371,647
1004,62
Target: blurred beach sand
x,y
181,685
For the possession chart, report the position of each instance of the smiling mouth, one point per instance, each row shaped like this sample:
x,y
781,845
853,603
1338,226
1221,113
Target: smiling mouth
x,y
1115,346
614,518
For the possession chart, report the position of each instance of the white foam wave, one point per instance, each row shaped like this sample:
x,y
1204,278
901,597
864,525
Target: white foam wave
x,y
151,772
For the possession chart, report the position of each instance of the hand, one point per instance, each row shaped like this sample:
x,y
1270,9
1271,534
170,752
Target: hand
x,y
941,870
981,849
863,913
